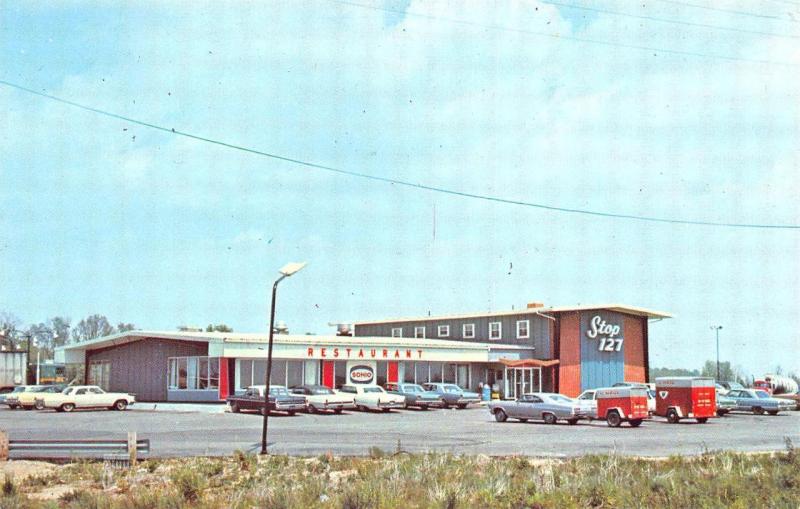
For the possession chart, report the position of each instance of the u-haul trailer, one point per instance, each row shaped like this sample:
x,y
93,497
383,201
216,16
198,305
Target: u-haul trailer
x,y
682,397
622,404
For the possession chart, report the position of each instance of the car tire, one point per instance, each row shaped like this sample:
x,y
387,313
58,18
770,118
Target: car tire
x,y
499,415
702,420
361,408
312,409
67,407
721,413
672,416
39,405
549,418
386,410
613,419
773,412
523,420
234,408
462,406
291,413
423,407
27,407
445,405
758,410
635,422
120,405
572,422
337,411
262,411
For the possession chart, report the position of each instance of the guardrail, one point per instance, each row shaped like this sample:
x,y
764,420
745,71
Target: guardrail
x,y
85,448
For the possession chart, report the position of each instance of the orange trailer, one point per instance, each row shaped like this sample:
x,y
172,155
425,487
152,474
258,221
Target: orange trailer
x,y
683,397
618,404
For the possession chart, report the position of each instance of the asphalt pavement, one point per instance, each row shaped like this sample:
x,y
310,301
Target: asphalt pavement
x,y
471,431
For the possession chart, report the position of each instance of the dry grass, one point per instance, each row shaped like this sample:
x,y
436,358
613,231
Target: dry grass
x,y
422,481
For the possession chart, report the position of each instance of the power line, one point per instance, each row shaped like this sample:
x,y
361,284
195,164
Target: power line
x,y
565,37
665,20
405,183
729,11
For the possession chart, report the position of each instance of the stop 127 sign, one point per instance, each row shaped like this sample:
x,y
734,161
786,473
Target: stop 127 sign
x,y
361,374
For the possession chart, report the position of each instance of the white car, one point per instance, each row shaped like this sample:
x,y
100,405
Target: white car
x,y
373,397
319,398
588,401
85,396
12,398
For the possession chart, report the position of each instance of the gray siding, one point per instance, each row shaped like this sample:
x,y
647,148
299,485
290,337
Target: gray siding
x,y
539,330
140,367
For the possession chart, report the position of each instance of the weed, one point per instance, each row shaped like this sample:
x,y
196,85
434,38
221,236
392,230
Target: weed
x,y
9,486
376,452
188,483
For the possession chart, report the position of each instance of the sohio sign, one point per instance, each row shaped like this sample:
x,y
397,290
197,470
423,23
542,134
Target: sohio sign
x,y
607,334
362,374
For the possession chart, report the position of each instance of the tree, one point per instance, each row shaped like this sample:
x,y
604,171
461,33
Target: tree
x,y
125,327
657,372
220,327
9,323
91,327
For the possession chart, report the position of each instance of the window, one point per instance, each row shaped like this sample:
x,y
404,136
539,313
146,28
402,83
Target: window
x,y
100,373
495,330
194,373
523,329
397,332
349,389
468,330
80,392
444,331
419,332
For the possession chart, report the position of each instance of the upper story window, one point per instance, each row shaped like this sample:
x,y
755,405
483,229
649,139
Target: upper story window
x,y
523,329
419,332
495,330
468,330
444,331
397,332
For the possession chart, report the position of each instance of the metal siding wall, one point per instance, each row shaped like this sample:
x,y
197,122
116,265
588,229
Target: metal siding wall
x,y
569,374
140,367
539,329
635,365
599,368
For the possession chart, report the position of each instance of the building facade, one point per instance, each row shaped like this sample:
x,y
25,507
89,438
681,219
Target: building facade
x,y
562,350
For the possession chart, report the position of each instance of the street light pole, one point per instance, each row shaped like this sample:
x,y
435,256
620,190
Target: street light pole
x,y
285,272
717,329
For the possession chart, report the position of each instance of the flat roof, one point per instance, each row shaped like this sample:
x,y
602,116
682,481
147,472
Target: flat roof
x,y
262,337
619,308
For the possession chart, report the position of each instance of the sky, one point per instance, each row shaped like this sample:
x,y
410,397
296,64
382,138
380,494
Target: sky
x,y
659,109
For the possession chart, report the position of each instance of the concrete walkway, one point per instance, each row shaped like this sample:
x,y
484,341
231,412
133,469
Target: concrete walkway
x,y
204,408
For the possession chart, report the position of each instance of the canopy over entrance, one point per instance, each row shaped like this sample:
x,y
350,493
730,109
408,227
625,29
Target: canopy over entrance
x,y
529,363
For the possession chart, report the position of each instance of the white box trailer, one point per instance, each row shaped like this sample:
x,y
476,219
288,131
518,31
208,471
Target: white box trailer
x,y
12,368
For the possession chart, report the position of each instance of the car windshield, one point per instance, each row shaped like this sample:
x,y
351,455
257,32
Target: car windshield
x,y
322,391
762,394
66,390
651,394
18,389
372,389
452,389
278,391
412,388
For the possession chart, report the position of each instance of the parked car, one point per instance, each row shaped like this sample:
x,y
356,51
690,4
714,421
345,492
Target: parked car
x,y
794,398
544,406
5,391
452,395
758,402
319,398
84,396
29,400
724,404
415,395
279,400
373,397
12,398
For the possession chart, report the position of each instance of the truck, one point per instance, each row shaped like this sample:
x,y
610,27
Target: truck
x,y
12,368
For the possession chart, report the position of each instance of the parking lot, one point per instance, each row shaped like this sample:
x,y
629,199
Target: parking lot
x,y
471,431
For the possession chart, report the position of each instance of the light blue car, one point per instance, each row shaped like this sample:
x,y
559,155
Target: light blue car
x,y
758,401
452,395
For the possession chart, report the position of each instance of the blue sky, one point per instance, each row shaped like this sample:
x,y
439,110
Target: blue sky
x,y
103,216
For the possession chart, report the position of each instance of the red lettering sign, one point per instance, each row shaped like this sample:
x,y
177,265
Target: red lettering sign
x,y
408,354
322,352
397,354
419,352
310,352
348,352
336,352
385,353
372,352
361,352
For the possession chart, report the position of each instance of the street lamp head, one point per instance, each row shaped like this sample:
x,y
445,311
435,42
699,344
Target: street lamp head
x,y
291,268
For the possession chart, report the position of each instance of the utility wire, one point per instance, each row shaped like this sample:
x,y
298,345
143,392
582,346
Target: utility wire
x,y
729,11
665,20
564,37
405,183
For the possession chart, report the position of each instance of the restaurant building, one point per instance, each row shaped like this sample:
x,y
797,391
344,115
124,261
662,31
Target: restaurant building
x,y
553,349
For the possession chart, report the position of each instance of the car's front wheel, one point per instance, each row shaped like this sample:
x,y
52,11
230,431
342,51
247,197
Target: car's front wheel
x,y
550,419
120,405
773,412
312,409
337,411
572,422
499,415
67,407
234,408
39,405
758,410
721,413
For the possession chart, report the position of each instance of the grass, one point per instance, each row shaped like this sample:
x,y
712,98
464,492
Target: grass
x,y
386,480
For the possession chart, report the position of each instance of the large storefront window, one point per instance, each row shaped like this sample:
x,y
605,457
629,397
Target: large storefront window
x,y
284,372
339,373
422,372
100,374
436,371
193,373
380,373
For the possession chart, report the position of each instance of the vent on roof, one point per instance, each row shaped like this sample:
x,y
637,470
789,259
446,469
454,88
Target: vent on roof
x,y
189,328
281,328
532,305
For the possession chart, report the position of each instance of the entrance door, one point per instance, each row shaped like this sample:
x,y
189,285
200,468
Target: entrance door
x,y
521,381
